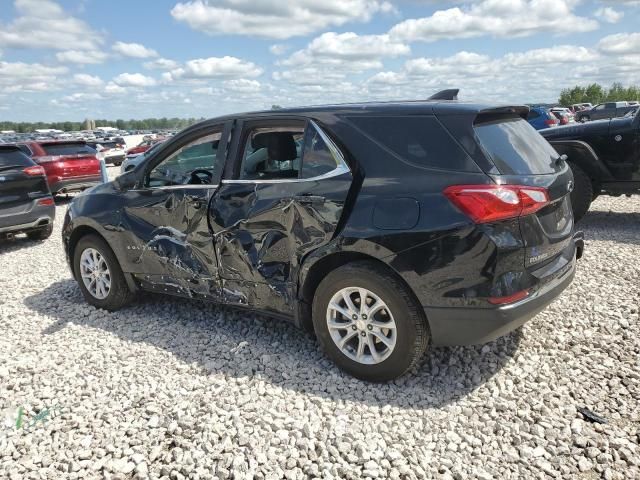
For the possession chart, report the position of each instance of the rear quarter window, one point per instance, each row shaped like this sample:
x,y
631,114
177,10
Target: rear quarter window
x,y
68,149
420,140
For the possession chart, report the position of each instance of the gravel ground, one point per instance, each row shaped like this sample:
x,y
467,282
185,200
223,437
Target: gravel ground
x,y
173,389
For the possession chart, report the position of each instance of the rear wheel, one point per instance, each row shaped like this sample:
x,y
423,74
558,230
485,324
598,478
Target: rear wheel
x,y
40,234
582,194
368,322
99,274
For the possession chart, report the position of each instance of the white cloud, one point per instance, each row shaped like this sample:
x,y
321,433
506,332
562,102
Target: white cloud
x,y
44,24
214,67
81,97
278,49
20,76
161,64
609,15
82,56
112,88
621,44
242,85
499,18
274,18
134,50
87,80
134,80
558,55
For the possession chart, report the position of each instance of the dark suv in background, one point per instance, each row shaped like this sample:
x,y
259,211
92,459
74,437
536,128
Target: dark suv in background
x,y
381,227
26,204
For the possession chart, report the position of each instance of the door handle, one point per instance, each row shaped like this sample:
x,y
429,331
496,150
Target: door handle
x,y
309,199
194,200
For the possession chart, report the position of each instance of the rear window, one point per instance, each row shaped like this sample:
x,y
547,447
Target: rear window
x,y
515,147
10,157
68,149
420,140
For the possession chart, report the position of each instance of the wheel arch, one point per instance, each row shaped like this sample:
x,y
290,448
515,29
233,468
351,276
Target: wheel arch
x,y
82,231
583,155
320,268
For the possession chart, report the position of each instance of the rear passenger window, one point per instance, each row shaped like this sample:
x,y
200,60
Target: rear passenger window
x,y
420,140
317,158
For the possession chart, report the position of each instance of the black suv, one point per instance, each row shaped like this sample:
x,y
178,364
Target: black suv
x,y
26,204
604,156
381,227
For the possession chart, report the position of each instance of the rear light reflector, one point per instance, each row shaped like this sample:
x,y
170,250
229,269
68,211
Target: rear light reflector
x,y
490,203
516,297
34,171
45,201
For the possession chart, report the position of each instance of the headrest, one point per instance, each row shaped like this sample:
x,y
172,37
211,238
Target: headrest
x,y
260,140
281,146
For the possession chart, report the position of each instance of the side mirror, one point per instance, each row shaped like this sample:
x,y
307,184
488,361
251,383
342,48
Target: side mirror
x,y
126,181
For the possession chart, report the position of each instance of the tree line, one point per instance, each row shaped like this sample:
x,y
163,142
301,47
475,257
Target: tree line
x,y
596,93
146,124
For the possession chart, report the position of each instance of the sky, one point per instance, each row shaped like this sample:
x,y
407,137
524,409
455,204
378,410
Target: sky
x,y
76,59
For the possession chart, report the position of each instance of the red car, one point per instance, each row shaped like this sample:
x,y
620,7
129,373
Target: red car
x,y
143,147
69,165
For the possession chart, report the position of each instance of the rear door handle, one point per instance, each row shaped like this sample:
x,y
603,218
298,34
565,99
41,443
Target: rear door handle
x,y
310,199
194,200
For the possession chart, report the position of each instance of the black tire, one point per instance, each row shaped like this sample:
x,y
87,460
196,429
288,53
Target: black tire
x,y
582,194
119,294
411,324
41,233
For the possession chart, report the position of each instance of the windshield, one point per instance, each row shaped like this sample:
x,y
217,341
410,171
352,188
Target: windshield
x,y
515,147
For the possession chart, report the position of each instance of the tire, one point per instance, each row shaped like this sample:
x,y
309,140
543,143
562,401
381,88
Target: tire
x,y
41,233
582,194
411,331
118,294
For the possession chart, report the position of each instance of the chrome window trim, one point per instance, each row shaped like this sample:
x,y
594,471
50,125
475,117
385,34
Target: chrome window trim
x,y
177,187
340,169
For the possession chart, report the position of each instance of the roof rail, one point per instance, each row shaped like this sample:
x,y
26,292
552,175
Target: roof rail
x,y
449,94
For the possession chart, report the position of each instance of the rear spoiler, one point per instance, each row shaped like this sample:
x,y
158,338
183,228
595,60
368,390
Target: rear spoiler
x,y
490,114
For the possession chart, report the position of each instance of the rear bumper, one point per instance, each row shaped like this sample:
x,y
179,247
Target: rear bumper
x,y
75,184
471,326
37,216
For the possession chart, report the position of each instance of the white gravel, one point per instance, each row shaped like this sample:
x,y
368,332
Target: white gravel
x,y
173,389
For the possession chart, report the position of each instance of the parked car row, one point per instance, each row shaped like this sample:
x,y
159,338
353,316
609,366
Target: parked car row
x,y
606,111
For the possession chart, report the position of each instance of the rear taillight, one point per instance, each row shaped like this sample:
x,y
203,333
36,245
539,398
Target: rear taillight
x,y
34,171
550,122
564,121
490,203
45,201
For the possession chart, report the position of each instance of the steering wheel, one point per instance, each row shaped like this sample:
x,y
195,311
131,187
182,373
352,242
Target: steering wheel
x,y
206,177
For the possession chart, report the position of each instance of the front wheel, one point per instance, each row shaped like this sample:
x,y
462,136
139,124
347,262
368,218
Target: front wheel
x,y
99,274
368,323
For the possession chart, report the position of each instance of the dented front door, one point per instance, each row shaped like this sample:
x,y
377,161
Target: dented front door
x,y
167,241
169,246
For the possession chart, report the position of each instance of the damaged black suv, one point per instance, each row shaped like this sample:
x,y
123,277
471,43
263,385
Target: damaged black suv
x,y
381,227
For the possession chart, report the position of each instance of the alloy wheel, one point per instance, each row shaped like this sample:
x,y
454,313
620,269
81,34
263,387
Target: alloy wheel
x,y
95,273
361,325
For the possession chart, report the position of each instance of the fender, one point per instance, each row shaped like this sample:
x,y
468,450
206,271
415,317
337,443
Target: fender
x,y
581,153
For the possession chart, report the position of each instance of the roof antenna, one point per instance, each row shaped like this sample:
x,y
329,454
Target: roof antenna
x,y
449,94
